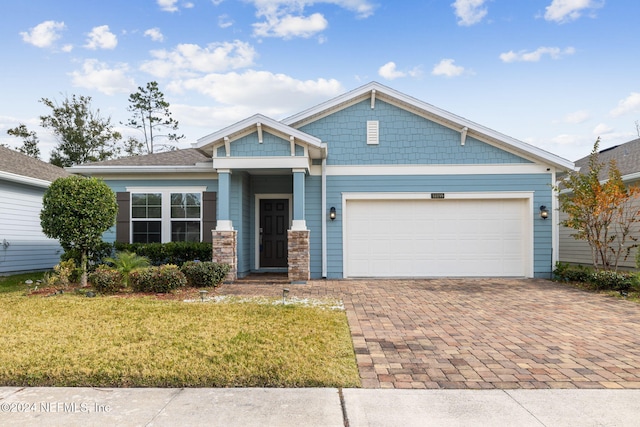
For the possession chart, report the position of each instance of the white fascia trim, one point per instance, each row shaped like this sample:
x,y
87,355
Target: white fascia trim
x,y
493,169
382,91
251,124
21,179
105,170
448,195
261,163
166,189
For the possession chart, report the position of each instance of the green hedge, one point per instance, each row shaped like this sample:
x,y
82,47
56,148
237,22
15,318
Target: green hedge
x,y
598,279
157,279
169,253
204,274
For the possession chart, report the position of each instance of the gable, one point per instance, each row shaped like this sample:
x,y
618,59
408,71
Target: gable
x,y
403,138
252,145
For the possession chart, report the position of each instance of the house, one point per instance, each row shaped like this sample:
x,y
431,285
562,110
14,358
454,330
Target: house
x,y
23,245
627,158
372,183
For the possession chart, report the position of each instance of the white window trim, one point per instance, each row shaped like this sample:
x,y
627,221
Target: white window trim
x,y
165,218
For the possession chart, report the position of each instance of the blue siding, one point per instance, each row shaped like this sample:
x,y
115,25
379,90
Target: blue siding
x,y
405,138
540,184
248,146
313,214
121,185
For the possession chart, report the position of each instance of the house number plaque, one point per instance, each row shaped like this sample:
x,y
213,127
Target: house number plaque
x,y
437,195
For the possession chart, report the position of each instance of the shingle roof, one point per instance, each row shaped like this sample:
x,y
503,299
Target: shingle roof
x,y
184,157
627,157
20,164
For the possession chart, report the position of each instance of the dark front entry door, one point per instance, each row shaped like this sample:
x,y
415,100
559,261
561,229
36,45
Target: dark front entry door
x,y
274,222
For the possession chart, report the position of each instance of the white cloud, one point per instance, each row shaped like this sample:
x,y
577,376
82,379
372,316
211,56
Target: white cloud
x,y
628,105
286,18
577,117
101,38
469,12
43,34
602,129
190,59
569,10
168,5
154,34
289,26
253,91
447,68
536,55
390,72
96,75
67,48
224,21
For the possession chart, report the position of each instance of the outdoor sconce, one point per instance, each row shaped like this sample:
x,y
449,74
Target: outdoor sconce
x,y
544,212
285,292
332,213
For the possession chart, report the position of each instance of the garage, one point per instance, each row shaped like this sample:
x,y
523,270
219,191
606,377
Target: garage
x,y
456,236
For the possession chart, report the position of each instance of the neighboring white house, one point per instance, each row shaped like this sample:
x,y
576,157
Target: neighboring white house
x,y
23,245
627,158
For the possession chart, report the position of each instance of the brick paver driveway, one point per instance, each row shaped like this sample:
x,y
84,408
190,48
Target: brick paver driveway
x,y
482,333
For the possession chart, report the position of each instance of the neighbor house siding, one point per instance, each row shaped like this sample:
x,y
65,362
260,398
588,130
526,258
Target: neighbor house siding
x,y
28,248
405,138
537,183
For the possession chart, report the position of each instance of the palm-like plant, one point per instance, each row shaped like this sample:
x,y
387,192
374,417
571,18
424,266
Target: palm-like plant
x,y
126,262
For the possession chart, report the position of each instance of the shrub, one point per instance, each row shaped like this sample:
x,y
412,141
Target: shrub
x,y
572,273
95,256
204,274
611,280
169,253
63,274
106,280
126,262
157,279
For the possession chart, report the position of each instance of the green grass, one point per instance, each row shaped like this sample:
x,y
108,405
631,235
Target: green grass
x,y
16,282
70,340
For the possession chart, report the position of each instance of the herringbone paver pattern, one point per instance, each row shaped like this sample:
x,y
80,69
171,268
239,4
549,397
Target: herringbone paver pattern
x,y
481,333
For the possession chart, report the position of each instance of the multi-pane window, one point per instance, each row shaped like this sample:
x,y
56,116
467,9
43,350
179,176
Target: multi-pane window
x,y
185,217
166,216
146,217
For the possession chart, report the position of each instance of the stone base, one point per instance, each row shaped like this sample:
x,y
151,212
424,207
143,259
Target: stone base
x,y
225,251
299,258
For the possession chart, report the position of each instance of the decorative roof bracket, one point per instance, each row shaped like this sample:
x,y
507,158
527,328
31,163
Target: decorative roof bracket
x,y
373,99
259,126
463,135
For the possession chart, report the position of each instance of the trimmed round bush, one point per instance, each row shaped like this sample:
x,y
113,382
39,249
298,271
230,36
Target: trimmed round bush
x,y
204,274
106,280
161,279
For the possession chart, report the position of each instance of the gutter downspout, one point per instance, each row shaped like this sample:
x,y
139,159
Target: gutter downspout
x,y
555,225
324,216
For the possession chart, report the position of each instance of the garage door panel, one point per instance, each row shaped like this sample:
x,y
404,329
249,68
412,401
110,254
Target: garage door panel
x,y
422,238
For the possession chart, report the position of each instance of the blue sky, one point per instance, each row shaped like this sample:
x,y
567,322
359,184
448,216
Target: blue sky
x,y
553,73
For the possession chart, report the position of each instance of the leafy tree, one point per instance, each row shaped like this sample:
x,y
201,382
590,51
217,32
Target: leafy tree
x,y
83,135
151,116
602,213
76,211
29,140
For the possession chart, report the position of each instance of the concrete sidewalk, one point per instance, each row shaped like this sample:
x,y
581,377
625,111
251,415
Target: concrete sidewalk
x,y
44,406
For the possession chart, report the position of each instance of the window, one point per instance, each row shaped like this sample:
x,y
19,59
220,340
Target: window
x,y
185,217
166,216
146,217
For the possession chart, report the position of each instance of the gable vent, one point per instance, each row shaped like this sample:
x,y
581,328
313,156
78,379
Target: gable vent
x,y
373,132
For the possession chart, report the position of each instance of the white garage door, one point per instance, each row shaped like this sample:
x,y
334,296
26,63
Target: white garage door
x,y
430,238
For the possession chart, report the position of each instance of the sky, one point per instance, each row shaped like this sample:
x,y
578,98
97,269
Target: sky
x,y
556,74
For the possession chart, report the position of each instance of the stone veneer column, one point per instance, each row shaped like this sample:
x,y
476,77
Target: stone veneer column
x,y
299,263
225,251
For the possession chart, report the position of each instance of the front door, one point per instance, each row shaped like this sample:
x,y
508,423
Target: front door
x,y
274,222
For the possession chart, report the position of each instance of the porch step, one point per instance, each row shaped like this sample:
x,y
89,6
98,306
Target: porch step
x,y
263,279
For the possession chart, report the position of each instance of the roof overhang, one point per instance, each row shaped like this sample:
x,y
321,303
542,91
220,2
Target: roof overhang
x,y
259,123
25,180
108,170
375,91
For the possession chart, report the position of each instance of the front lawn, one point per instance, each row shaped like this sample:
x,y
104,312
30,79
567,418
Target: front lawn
x,y
71,340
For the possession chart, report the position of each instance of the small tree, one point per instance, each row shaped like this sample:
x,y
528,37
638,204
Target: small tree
x,y
602,213
76,211
29,140
83,135
151,116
